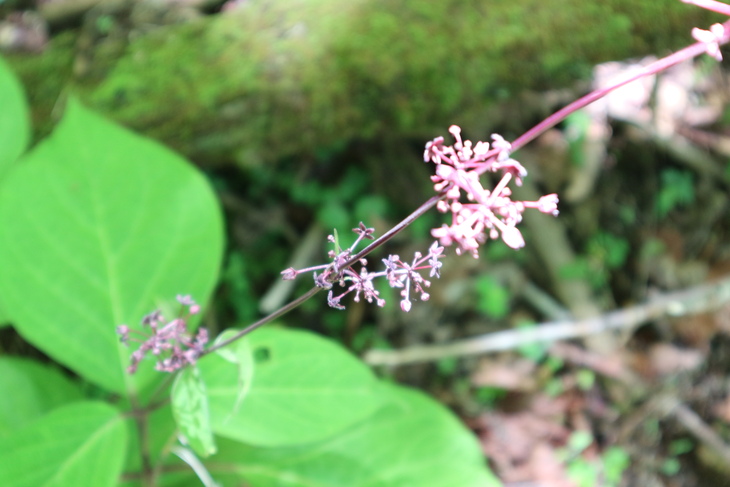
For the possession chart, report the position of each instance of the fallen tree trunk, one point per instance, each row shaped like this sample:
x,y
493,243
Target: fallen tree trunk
x,y
274,79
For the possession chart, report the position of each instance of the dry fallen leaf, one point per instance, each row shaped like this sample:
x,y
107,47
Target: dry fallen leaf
x,y
508,372
666,359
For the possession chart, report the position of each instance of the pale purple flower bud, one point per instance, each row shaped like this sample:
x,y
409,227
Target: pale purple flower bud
x,y
321,281
333,301
711,38
455,130
512,237
430,153
549,204
152,319
502,146
405,305
123,332
201,339
513,167
289,274
481,149
364,231
190,356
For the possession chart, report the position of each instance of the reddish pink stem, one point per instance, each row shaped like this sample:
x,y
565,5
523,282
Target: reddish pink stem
x,y
687,53
712,5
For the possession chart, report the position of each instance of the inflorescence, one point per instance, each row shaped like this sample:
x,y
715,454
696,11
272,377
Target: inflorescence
x,y
398,273
169,341
486,214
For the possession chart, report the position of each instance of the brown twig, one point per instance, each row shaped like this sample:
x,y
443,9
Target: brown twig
x,y
695,300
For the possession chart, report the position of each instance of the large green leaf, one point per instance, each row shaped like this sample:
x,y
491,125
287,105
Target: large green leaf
x,y
413,442
29,390
97,227
78,445
14,129
304,388
14,119
190,407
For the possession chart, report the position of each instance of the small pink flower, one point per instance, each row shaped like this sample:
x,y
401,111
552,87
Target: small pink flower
x,y
455,130
547,204
512,167
503,146
169,341
399,274
432,146
711,38
513,238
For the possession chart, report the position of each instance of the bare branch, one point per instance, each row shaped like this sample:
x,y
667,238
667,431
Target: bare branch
x,y
704,298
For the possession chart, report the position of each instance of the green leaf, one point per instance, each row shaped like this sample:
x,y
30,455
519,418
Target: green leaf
x,y
414,441
14,119
577,127
240,354
190,408
14,130
583,473
681,446
677,189
304,388
579,440
493,297
334,214
29,390
615,461
4,320
610,249
99,226
78,445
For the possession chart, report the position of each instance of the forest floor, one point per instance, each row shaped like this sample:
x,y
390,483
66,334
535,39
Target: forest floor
x,y
644,399
628,291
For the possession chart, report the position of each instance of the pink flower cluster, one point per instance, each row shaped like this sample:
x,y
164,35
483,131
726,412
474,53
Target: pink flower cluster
x,y
169,341
485,214
399,274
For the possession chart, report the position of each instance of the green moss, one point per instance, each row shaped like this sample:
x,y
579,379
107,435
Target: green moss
x,y
283,78
44,78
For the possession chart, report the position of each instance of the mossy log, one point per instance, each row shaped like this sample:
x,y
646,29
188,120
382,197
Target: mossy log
x,y
278,78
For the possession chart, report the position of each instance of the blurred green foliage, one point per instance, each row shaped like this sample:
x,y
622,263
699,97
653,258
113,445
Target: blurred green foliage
x,y
671,465
677,189
604,253
606,470
277,79
493,298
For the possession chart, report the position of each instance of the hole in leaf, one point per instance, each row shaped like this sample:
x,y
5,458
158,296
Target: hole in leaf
x,y
262,355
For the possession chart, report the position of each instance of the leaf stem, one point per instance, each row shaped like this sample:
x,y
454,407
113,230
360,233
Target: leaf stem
x,y
271,317
688,52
